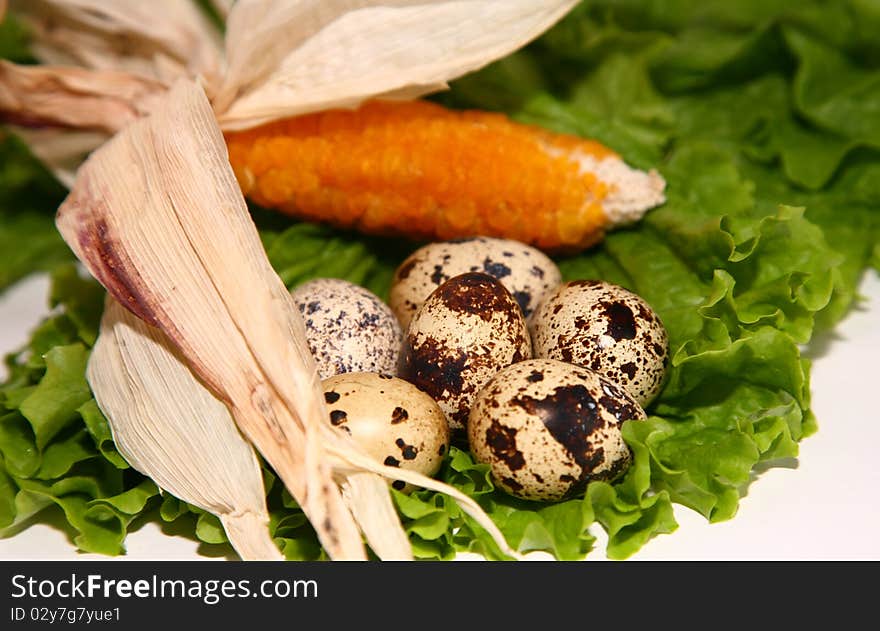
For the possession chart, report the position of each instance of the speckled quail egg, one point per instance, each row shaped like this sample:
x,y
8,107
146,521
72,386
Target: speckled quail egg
x,y
526,272
468,329
605,328
391,419
348,327
547,428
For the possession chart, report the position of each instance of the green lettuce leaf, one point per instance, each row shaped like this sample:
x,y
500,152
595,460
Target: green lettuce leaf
x,y
28,199
28,193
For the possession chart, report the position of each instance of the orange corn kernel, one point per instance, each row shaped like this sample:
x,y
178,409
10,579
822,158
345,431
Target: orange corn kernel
x,y
418,170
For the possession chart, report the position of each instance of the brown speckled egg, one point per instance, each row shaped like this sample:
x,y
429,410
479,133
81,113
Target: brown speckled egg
x,y
547,428
391,419
607,329
526,272
348,327
468,329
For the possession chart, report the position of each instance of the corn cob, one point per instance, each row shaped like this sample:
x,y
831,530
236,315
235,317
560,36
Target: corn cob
x,y
421,171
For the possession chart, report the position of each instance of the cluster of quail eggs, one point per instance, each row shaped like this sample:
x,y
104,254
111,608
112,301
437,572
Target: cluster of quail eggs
x,y
483,342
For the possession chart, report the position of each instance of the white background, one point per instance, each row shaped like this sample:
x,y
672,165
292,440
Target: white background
x,y
821,506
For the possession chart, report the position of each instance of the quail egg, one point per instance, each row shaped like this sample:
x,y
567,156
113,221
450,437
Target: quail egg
x,y
467,330
526,272
391,419
348,327
607,329
547,428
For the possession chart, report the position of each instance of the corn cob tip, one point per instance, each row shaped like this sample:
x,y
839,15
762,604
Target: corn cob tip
x,y
631,192
626,193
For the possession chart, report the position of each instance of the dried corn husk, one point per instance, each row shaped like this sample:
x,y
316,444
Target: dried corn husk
x,y
366,496
102,100
157,217
286,58
105,64
62,150
170,428
160,40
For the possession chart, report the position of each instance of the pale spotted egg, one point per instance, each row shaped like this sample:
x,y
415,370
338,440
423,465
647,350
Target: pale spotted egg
x,y
392,420
547,428
468,329
606,328
526,272
348,327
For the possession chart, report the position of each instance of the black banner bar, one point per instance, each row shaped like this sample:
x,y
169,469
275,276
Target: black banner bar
x,y
134,594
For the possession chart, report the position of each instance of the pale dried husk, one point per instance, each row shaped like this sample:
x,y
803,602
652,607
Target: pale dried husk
x,y
104,64
281,58
288,58
366,495
62,150
159,40
173,430
100,100
157,217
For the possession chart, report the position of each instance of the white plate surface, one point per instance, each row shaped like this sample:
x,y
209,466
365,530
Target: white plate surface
x,y
821,506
